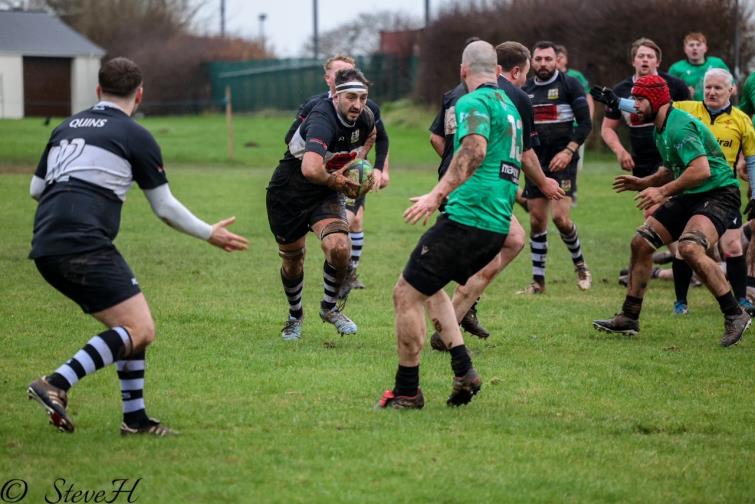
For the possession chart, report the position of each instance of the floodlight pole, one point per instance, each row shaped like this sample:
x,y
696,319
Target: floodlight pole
x,y
427,12
736,39
262,18
222,18
316,37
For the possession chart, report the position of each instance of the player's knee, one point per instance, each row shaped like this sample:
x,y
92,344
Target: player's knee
x,y
338,248
142,332
515,241
293,262
691,244
641,246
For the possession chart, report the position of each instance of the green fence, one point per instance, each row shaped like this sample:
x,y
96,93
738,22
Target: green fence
x,y
285,83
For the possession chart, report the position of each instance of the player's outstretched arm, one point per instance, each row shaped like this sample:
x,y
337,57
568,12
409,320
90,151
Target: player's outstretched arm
x,y
466,160
313,169
222,238
172,212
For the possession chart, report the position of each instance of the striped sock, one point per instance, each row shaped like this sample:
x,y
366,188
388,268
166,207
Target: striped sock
x,y
100,351
131,375
539,249
293,288
331,286
357,242
571,239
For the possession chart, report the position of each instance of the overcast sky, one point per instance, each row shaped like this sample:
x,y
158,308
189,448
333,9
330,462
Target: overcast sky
x,y
289,22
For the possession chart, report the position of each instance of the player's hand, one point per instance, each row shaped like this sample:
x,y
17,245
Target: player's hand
x,y
343,184
560,161
385,179
423,208
377,178
551,189
625,160
222,238
605,95
627,183
647,198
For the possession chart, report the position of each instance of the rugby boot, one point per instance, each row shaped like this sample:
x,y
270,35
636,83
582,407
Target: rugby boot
x,y
584,277
734,328
343,324
292,330
533,288
54,400
356,283
464,387
391,400
436,342
619,324
624,280
471,323
153,428
680,308
346,285
747,306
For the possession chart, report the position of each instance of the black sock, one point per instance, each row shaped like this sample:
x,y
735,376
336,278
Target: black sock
x,y
407,381
632,307
728,304
331,285
539,249
736,271
460,361
682,277
100,351
293,288
131,375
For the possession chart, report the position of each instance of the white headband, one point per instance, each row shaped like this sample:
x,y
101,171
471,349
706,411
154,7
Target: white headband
x,y
354,86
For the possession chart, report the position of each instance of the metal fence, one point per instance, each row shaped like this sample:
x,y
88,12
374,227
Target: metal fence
x,y
285,83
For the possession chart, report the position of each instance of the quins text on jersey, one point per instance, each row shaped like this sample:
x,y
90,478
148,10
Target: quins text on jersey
x,y
87,122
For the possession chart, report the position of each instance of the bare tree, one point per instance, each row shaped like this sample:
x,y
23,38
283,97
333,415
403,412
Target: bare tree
x,y
361,36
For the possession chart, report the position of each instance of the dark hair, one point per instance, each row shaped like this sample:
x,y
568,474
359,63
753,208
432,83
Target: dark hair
x,y
561,49
545,44
120,77
511,54
350,74
470,40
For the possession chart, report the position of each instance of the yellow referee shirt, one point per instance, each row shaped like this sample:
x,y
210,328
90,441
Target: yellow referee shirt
x,y
732,128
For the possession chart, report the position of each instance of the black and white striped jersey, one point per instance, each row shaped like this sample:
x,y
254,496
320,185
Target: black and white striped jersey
x,y
88,166
327,134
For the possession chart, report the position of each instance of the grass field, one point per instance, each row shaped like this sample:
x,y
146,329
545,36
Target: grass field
x,y
565,414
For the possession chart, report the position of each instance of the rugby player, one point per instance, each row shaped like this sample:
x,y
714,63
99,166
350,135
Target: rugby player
x,y
703,198
306,192
514,60
88,166
644,159
734,131
354,207
558,101
692,69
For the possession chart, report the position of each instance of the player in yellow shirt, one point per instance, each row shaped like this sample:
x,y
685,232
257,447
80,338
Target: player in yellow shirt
x,y
735,134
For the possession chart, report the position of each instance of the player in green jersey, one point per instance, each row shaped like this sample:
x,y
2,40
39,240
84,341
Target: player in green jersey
x,y
747,96
698,197
692,70
480,185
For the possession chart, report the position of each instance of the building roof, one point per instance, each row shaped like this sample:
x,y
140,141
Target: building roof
x,y
34,33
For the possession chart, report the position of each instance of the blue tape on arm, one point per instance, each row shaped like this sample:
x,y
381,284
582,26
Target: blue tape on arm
x,y
628,105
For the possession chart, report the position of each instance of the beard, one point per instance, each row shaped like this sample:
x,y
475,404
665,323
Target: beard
x,y
544,74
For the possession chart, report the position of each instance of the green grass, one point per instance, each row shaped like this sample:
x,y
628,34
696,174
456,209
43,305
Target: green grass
x,y
565,414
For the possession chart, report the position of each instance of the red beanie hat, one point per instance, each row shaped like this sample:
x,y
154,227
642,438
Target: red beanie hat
x,y
654,89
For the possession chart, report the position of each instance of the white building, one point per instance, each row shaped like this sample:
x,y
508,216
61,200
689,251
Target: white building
x,y
46,68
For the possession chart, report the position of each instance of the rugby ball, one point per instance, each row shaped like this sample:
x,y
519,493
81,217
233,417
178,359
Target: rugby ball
x,y
361,172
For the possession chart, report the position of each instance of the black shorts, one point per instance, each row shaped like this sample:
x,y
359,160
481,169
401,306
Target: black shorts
x,y
290,219
721,206
353,205
94,280
567,179
645,168
450,251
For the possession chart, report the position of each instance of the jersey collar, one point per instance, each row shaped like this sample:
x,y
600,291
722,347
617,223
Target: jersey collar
x,y
718,113
341,119
493,85
104,103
